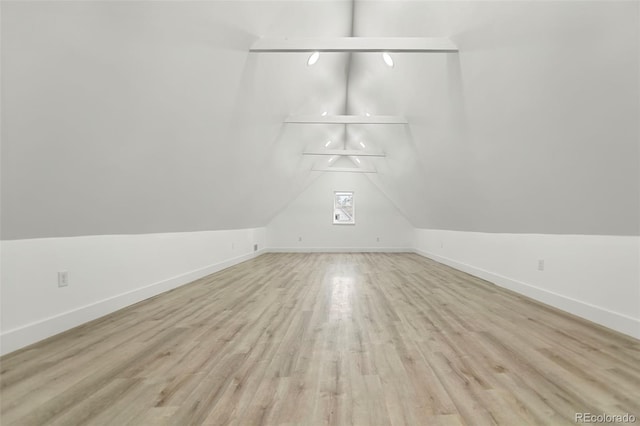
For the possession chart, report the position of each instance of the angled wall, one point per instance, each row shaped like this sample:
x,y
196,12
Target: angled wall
x,y
145,117
531,128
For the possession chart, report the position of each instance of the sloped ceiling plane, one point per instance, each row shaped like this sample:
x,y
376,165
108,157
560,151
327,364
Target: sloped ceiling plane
x,y
141,117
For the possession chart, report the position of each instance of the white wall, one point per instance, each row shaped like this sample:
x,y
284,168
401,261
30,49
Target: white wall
x,y
117,115
309,217
532,127
596,277
106,273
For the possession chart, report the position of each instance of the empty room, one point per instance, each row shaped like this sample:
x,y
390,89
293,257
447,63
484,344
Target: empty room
x,y
320,212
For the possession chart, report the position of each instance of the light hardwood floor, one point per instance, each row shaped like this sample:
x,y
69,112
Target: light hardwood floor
x,y
313,339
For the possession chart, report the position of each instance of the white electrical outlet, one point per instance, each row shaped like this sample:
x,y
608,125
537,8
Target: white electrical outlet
x,y
299,238
540,264
233,246
378,239
63,279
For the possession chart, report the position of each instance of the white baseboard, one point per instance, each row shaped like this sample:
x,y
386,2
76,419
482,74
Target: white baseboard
x,y
22,336
19,337
607,318
339,250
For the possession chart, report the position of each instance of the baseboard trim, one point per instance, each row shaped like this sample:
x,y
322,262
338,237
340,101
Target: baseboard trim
x,y
20,337
610,319
339,250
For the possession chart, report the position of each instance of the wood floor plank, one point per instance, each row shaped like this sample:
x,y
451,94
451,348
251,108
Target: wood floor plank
x,y
337,339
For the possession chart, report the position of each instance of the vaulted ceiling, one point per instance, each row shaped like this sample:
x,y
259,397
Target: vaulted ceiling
x,y
132,117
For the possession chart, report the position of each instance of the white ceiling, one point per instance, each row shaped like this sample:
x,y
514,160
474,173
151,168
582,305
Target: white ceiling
x,y
131,117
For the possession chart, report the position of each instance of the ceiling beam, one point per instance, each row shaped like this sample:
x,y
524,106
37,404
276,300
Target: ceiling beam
x,y
355,44
343,170
347,119
346,152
